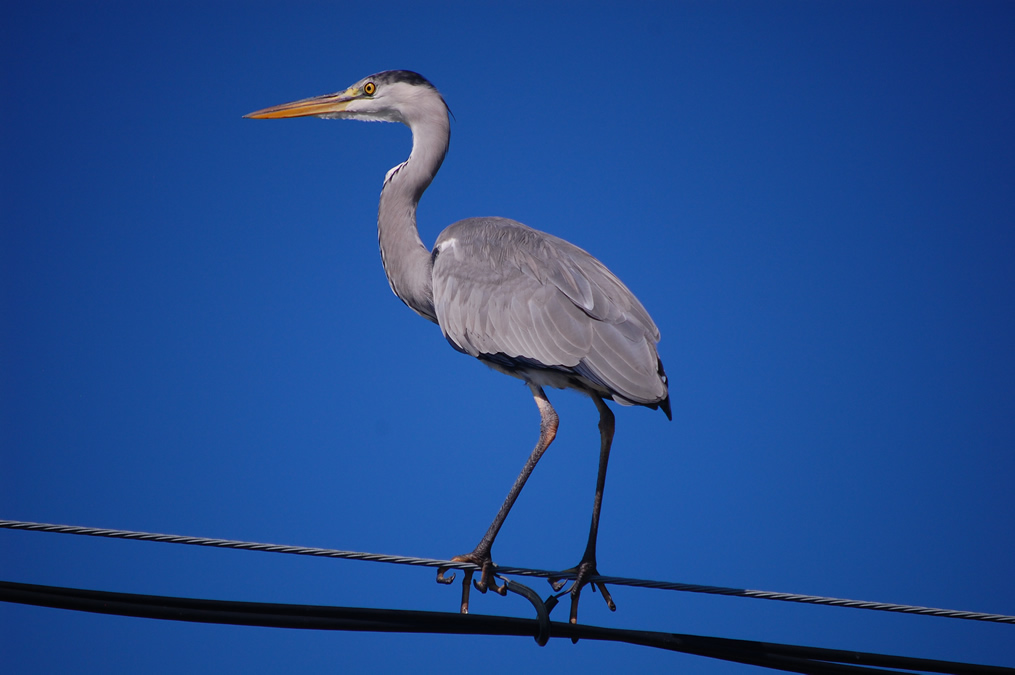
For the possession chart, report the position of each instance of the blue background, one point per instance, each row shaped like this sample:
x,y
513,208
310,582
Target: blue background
x,y
815,201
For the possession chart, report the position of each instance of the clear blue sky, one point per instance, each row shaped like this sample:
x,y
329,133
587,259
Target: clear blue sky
x,y
814,200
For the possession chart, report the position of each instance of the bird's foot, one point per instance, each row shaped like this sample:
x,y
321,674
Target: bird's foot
x,y
583,572
481,558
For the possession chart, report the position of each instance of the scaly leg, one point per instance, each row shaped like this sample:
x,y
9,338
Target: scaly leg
x,y
481,555
587,567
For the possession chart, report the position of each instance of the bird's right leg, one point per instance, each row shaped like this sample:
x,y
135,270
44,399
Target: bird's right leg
x,y
481,554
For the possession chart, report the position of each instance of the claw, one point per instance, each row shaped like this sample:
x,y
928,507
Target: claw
x,y
441,579
557,583
585,569
606,596
482,584
466,584
485,582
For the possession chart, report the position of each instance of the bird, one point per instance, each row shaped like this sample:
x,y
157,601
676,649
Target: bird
x,y
524,302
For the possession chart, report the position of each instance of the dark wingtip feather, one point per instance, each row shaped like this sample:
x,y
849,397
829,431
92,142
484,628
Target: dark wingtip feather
x,y
665,405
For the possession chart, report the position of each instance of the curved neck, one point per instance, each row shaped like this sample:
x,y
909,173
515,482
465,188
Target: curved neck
x,y
406,260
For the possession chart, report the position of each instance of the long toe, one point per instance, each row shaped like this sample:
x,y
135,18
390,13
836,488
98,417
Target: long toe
x,y
486,579
586,570
557,583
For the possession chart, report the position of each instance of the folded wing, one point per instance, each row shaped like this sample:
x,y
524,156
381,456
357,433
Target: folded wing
x,y
523,299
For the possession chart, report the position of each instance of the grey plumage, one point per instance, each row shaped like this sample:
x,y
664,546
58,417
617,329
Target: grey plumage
x,y
524,302
536,306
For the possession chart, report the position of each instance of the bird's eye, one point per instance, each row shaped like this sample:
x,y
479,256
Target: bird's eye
x,y
369,88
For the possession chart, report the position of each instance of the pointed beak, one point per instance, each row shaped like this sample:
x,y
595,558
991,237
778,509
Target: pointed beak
x,y
318,105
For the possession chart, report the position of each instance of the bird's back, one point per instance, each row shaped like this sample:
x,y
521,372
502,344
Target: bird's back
x,y
538,307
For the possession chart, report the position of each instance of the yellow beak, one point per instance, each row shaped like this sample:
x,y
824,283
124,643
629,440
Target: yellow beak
x,y
318,105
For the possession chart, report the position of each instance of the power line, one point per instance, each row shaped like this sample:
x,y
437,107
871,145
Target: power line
x,y
518,571
791,658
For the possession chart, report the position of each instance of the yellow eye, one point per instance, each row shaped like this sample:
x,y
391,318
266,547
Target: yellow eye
x,y
369,88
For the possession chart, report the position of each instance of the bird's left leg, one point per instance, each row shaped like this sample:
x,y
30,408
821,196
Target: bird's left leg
x,y
587,567
481,555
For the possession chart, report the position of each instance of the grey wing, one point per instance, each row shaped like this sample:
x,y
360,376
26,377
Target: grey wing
x,y
529,302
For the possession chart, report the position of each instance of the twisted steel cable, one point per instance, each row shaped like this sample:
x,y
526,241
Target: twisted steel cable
x,y
503,570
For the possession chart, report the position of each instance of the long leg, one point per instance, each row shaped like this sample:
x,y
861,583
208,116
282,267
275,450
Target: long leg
x,y
481,555
587,567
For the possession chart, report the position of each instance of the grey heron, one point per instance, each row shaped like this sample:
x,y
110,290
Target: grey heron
x,y
524,302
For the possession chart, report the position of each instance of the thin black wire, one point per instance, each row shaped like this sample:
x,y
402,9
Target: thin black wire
x,y
519,571
791,658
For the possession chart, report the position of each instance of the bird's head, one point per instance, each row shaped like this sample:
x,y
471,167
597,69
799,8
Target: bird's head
x,y
391,96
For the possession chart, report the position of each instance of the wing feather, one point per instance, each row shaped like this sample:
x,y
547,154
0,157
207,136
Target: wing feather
x,y
504,290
